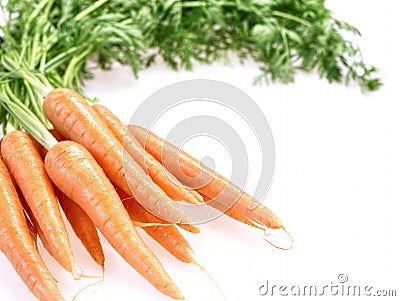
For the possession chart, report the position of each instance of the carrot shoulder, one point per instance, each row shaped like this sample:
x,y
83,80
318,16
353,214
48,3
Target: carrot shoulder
x,y
76,120
223,194
77,174
23,160
17,244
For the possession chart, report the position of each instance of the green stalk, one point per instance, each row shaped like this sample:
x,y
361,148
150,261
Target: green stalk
x,y
195,4
38,10
61,58
88,10
71,71
290,17
26,118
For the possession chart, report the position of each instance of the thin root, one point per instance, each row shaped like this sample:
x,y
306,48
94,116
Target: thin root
x,y
211,277
90,285
267,232
81,275
279,247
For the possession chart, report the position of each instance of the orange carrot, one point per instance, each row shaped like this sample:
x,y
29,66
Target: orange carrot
x,y
167,236
75,119
77,174
225,195
160,176
80,222
83,227
17,244
27,168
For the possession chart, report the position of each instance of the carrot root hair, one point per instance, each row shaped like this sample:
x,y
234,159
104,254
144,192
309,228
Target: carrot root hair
x,y
267,233
87,286
203,269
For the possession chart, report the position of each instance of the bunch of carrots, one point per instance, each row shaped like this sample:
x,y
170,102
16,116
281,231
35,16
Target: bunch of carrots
x,y
105,176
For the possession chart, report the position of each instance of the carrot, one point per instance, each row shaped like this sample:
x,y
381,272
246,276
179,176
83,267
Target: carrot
x,y
76,120
165,180
83,227
80,222
27,168
17,244
77,174
225,195
167,236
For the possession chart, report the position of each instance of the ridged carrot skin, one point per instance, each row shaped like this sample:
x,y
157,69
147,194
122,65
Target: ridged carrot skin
x,y
225,195
112,121
17,244
167,236
23,160
76,120
147,162
77,174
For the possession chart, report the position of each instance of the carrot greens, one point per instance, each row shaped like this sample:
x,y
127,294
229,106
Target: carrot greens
x,y
59,43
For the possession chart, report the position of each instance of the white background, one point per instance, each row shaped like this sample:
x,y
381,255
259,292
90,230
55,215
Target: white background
x,y
336,184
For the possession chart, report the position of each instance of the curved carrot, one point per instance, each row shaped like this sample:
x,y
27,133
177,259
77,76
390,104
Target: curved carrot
x,y
23,159
167,236
225,195
83,227
77,174
17,244
75,119
160,176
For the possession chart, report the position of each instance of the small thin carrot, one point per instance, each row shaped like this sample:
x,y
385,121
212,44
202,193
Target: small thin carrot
x,y
23,159
83,227
225,196
17,244
75,119
164,179
77,174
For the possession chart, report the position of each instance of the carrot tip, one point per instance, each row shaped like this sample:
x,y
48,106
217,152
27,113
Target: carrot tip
x,y
190,228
